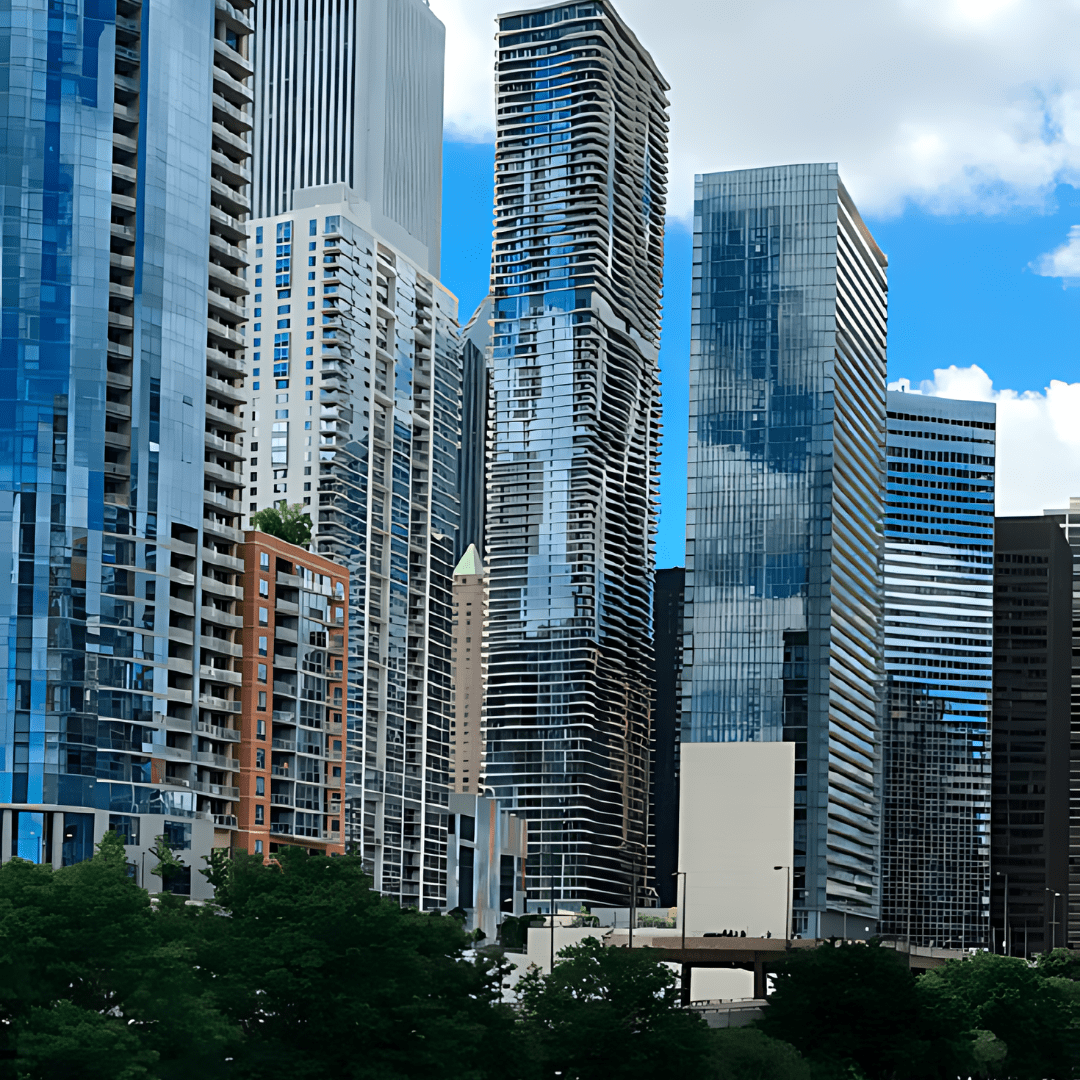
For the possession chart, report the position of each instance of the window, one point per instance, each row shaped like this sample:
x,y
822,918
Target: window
x,y
259,814
258,847
264,587
262,646
264,556
126,827
309,395
260,785
264,619
262,708
313,227
262,673
178,833
260,755
260,728
284,231
281,414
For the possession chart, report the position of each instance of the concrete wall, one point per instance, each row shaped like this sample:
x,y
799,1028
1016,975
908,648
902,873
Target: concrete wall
x,y
736,810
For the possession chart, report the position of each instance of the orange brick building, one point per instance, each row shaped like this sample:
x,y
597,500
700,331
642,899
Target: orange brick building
x,y
295,640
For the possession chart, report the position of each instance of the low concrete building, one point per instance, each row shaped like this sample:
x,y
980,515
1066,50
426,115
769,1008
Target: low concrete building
x,y
485,863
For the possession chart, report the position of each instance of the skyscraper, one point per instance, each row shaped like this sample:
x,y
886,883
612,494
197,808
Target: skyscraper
x,y
356,389
577,264
1068,518
122,380
1029,857
939,604
786,483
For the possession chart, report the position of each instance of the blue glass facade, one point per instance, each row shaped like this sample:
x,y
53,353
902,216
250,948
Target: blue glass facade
x,y
783,601
577,268
939,605
103,347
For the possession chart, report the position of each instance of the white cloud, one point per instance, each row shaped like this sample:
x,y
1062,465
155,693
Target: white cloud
x,y
956,105
1038,437
1062,262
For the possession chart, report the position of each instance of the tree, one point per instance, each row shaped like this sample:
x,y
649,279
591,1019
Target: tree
x,y
96,983
1028,1012
289,523
847,1006
749,1054
607,1012
326,977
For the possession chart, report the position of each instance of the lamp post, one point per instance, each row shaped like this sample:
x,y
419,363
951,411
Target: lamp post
x,y
1054,919
682,910
787,904
1005,919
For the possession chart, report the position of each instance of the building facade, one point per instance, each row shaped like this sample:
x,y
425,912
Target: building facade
x,y
295,657
356,388
486,853
939,604
1029,824
127,142
468,670
577,263
1068,518
668,600
783,616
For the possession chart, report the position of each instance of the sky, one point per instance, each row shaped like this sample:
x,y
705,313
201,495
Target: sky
x,y
956,126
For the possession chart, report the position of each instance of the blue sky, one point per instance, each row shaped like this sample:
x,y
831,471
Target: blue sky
x,y
961,293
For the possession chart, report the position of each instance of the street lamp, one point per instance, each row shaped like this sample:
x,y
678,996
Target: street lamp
x,y
787,903
1007,943
1054,920
682,910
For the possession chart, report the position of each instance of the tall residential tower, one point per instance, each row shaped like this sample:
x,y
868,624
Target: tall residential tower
x,y
126,144
783,608
939,608
356,389
577,265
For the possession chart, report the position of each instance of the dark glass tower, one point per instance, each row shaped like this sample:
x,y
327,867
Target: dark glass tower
x,y
1029,858
786,482
939,568
577,264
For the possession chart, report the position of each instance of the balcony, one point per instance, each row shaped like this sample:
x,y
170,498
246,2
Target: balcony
x,y
225,821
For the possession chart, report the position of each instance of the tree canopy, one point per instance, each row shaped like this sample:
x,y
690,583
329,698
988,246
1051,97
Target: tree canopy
x,y
289,523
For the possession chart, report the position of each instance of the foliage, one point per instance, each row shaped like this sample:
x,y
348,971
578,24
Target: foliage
x,y
289,523
168,864
607,1012
95,983
1026,1011
749,1054
858,1006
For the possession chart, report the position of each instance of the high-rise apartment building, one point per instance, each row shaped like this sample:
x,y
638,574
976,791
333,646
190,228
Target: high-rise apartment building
x,y
467,671
1029,837
783,615
127,145
939,606
296,634
1068,518
577,264
356,388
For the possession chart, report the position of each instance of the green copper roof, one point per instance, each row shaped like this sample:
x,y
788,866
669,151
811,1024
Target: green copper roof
x,y
470,563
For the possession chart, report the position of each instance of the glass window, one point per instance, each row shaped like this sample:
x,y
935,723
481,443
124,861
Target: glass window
x,y
178,834
262,708
262,646
264,617
260,785
258,814
264,587
126,826
260,755
264,557
262,673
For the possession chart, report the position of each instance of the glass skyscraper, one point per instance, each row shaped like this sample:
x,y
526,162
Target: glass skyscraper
x,y
356,393
783,603
577,264
939,608
126,145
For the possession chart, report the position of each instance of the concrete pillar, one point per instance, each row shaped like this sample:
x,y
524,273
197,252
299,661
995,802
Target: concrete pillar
x,y
5,837
57,840
759,980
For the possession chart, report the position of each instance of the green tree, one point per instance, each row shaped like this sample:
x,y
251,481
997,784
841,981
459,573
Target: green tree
x,y
289,523
857,1006
328,978
606,1013
95,982
749,1054
1031,1014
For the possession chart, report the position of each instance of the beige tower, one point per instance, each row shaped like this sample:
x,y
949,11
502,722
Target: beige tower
x,y
467,673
